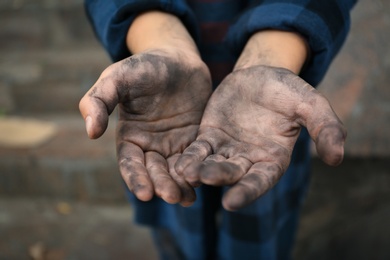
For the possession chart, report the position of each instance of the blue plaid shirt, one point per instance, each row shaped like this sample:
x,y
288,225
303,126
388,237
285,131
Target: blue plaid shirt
x,y
266,228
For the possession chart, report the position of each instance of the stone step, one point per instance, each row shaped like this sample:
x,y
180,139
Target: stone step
x,y
42,24
47,66
66,166
49,56
48,81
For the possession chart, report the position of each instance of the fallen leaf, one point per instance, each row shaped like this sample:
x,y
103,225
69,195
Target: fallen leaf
x,y
64,208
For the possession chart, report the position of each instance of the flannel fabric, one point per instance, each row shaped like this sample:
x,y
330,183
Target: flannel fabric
x,y
324,23
263,230
266,228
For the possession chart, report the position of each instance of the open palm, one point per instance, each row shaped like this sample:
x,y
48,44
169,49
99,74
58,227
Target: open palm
x,y
161,97
249,129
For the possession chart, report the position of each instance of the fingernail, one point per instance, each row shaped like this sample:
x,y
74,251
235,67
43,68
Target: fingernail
x,y
186,204
88,124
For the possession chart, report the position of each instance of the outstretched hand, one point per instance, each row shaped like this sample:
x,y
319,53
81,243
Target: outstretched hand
x,y
161,96
249,129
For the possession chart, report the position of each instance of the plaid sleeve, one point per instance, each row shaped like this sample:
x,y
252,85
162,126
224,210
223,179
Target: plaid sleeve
x,y
111,20
324,24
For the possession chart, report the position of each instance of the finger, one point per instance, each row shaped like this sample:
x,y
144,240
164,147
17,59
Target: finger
x,y
327,131
260,178
188,195
216,158
193,171
164,186
132,168
192,155
221,173
98,103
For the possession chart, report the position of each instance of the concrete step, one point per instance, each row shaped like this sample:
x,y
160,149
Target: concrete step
x,y
46,24
345,217
67,166
49,56
48,81
47,66
52,229
61,183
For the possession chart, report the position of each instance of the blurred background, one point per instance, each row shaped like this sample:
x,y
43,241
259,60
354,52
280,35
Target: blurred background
x,y
61,196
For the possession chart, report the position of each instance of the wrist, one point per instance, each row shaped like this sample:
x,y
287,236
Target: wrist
x,y
274,48
159,30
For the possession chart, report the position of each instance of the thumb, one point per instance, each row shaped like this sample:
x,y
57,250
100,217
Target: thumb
x,y
97,104
326,130
330,144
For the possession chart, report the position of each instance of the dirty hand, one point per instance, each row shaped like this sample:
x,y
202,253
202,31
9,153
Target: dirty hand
x,y
161,96
249,129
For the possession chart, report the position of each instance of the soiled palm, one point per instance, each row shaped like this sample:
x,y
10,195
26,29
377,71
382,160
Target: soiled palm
x,y
249,129
161,97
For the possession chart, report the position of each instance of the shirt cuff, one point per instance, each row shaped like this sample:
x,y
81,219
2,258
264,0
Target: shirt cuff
x,y
112,19
324,34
